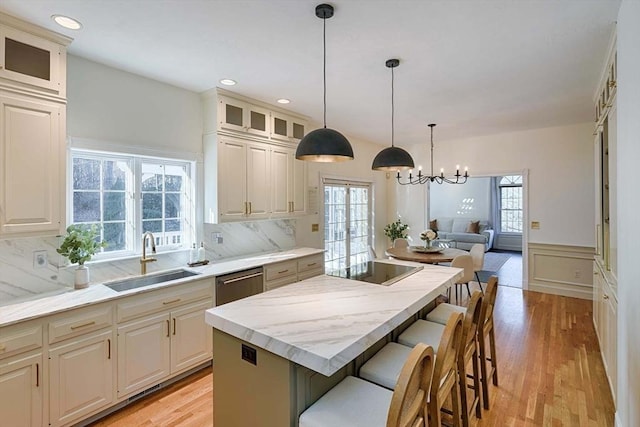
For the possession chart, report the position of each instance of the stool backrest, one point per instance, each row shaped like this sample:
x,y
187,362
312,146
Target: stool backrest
x,y
444,372
489,301
409,401
465,262
472,321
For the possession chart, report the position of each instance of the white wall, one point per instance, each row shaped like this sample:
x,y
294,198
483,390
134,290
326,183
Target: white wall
x,y
111,105
561,175
471,200
628,100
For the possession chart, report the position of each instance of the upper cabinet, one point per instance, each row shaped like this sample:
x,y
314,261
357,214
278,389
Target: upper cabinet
x,y
33,123
31,58
249,155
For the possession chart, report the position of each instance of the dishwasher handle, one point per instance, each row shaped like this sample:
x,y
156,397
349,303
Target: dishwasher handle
x,y
237,279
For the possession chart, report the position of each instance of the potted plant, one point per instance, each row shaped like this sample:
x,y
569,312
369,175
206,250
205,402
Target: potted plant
x,y
80,243
396,230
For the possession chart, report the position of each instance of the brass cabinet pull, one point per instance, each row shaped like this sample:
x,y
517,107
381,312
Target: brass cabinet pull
x,y
93,322
605,296
2,348
312,264
612,83
37,375
171,302
108,348
168,328
246,208
174,326
283,271
249,208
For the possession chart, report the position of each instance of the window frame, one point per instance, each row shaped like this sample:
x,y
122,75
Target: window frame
x,y
133,199
500,208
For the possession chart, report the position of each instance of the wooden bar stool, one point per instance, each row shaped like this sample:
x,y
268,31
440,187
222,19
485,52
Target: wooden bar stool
x,y
355,402
382,368
442,312
428,332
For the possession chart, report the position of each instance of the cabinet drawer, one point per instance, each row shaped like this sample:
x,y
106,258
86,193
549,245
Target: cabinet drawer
x,y
165,299
19,338
312,262
279,270
79,322
310,273
273,284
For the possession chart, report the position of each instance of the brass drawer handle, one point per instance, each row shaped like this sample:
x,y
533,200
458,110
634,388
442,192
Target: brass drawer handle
x,y
312,264
283,271
174,326
171,302
2,348
93,322
168,328
605,296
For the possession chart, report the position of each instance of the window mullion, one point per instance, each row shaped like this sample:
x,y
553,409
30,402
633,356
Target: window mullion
x,y
137,205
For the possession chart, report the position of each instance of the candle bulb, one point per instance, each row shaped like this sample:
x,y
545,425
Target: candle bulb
x,y
441,172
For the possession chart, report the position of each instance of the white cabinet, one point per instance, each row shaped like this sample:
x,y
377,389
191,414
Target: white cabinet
x,y
243,186
287,272
32,164
242,117
80,377
605,315
21,375
286,128
32,58
167,336
288,183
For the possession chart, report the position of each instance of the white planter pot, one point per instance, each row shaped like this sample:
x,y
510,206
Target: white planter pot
x,y
81,277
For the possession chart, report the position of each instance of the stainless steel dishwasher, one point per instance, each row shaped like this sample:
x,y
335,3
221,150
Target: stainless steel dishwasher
x,y
241,284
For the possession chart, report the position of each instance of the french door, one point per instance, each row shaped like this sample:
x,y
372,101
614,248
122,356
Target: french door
x,y
347,223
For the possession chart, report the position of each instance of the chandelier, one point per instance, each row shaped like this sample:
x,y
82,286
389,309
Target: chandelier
x,y
439,179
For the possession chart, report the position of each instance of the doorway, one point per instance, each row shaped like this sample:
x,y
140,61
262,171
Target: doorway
x,y
347,222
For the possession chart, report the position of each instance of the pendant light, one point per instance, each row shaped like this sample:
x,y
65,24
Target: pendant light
x,y
392,158
324,144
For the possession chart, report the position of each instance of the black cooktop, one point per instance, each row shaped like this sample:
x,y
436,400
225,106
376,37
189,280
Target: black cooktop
x,y
379,273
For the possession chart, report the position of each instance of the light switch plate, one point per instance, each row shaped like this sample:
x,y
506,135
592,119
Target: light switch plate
x,y
40,259
535,225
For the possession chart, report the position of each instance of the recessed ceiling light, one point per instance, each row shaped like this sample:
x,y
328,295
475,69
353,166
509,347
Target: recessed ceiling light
x,y
283,101
228,82
66,22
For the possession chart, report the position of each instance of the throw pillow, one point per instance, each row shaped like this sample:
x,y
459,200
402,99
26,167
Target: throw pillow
x,y
433,224
474,227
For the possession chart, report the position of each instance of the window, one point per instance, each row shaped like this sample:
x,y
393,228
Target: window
x,y
129,195
510,188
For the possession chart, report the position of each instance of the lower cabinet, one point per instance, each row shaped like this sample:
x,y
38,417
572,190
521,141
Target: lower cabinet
x,y
80,377
21,385
154,347
605,319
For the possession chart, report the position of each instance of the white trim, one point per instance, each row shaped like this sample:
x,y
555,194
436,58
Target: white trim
x,y
128,149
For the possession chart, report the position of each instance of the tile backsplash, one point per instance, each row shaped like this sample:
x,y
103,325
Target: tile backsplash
x,y
20,280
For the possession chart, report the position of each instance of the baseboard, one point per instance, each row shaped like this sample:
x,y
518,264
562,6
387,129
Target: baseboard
x,y
617,420
573,291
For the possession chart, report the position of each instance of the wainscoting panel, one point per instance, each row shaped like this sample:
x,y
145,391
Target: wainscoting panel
x,y
561,270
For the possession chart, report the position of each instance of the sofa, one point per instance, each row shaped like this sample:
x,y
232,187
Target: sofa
x,y
465,231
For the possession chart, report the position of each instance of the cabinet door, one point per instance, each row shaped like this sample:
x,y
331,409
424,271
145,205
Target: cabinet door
x,y
232,179
286,128
239,116
611,313
31,164
21,391
29,59
81,378
143,353
191,337
298,186
281,175
258,191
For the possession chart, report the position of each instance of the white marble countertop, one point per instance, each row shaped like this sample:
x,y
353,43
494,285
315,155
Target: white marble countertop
x,y
97,293
324,322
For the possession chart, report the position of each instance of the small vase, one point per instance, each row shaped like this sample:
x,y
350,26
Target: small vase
x,y
427,243
81,277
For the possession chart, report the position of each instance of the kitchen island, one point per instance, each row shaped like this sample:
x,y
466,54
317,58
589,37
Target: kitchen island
x,y
276,353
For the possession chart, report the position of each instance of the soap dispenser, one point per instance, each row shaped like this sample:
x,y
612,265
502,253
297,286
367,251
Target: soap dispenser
x,y
201,252
193,254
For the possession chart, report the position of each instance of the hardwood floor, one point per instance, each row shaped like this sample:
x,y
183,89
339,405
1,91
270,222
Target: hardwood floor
x,y
550,372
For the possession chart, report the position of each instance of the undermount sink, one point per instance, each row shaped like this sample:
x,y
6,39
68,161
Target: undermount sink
x,y
150,279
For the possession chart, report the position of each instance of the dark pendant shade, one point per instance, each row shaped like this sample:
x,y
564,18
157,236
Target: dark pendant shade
x,y
324,145
392,159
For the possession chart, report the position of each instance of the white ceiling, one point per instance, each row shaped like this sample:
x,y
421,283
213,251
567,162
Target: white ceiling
x,y
475,67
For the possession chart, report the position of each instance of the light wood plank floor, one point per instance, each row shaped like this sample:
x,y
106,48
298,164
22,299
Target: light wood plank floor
x,y
550,372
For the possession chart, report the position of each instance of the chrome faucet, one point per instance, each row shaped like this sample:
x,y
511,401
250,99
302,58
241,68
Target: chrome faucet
x,y
144,260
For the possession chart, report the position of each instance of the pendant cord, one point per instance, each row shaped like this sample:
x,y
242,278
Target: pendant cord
x,y
392,109
431,150
324,68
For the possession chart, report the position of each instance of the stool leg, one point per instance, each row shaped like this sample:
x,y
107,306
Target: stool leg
x,y
479,283
484,380
476,381
468,291
455,405
494,361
